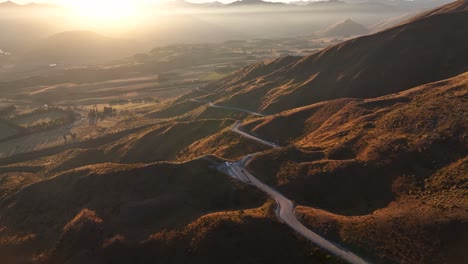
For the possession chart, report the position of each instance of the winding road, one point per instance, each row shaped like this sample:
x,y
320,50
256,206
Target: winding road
x,y
285,209
211,104
236,129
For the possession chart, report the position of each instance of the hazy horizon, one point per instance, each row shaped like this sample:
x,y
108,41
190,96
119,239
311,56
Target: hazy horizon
x,y
196,132
22,2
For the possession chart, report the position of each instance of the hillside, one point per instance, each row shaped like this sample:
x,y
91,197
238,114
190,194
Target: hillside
x,y
455,6
391,22
172,212
366,67
372,162
164,141
202,241
355,152
346,28
136,203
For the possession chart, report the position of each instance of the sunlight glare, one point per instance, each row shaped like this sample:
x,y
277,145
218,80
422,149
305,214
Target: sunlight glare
x,y
103,9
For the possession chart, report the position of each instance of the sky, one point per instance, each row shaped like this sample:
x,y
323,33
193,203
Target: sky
x,y
155,1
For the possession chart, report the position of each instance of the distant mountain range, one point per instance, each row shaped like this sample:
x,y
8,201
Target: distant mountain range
x,y
370,147
254,3
11,4
378,5
362,67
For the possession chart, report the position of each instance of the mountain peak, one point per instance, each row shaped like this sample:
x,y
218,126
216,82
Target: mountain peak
x,y
344,28
8,4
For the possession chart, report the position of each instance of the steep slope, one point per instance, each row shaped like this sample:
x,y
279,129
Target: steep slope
x,y
417,52
396,160
254,236
456,6
346,28
391,22
426,224
410,133
136,200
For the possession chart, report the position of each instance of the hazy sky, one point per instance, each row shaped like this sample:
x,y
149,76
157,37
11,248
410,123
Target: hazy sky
x,y
156,1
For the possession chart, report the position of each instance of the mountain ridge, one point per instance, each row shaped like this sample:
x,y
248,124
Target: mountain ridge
x,y
360,67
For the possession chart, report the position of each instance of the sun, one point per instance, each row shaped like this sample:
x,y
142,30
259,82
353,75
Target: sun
x,y
103,9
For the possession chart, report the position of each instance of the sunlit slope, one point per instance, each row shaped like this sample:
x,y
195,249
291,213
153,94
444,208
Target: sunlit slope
x,y
417,52
165,141
366,143
397,160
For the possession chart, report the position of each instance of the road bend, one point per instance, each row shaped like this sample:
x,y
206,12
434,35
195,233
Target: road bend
x,y
285,209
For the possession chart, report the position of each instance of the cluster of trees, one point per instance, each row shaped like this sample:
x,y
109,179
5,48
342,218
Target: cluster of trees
x,y
68,119
69,116
43,110
94,115
141,100
107,111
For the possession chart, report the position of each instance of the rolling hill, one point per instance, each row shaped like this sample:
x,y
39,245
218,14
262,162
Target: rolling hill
x,y
369,66
137,202
373,162
373,153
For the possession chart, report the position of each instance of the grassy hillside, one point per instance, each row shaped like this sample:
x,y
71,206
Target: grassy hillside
x,y
383,63
426,224
365,145
374,153
137,199
246,236
375,164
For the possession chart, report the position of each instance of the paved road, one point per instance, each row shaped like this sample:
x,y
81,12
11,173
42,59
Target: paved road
x,y
285,210
228,108
201,90
235,129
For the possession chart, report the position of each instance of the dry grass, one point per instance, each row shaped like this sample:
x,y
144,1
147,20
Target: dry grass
x,y
425,224
390,172
362,67
138,200
225,144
